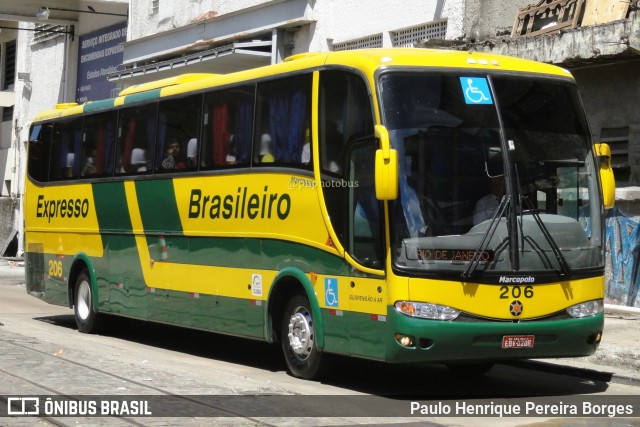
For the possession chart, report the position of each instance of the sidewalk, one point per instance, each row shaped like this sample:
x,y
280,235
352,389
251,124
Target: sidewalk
x,y
616,360
618,356
12,262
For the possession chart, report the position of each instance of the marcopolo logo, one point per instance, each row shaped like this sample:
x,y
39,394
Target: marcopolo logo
x,y
517,279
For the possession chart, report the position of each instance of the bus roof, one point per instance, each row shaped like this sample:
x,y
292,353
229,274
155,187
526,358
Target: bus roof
x,y
366,60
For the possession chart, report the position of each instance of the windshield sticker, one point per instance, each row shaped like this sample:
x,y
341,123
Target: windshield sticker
x,y
476,90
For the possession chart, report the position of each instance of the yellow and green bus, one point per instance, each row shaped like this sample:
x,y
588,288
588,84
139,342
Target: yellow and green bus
x,y
401,205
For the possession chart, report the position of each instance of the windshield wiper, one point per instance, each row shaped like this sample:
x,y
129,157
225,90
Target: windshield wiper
x,y
562,262
486,238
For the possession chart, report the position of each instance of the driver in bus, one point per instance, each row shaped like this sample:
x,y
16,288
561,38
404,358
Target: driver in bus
x,y
486,206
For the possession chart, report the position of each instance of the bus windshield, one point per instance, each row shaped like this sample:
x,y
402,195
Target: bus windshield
x,y
496,176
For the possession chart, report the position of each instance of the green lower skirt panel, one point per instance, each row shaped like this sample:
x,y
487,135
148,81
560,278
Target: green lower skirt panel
x,y
438,341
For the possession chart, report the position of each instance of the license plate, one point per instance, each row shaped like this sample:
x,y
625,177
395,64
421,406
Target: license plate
x,y
518,341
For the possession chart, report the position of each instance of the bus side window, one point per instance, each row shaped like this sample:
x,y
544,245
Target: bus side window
x,y
98,145
136,140
227,128
65,150
39,151
178,134
283,121
345,117
365,243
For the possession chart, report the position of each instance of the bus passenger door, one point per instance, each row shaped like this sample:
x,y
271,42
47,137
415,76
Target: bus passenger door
x,y
347,146
367,294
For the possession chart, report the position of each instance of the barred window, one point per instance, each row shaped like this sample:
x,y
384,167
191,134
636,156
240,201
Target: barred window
x,y
362,43
408,37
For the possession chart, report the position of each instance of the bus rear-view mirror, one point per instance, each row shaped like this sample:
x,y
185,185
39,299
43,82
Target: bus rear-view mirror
x,y
386,167
607,180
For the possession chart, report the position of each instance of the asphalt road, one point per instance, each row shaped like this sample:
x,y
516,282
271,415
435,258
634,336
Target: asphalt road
x,y
42,353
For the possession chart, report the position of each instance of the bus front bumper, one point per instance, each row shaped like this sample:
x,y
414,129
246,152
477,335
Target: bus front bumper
x,y
481,341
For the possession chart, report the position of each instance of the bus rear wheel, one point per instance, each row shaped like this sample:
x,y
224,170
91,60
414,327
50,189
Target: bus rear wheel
x,y
299,340
87,318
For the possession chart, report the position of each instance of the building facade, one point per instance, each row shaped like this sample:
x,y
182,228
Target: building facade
x,y
87,50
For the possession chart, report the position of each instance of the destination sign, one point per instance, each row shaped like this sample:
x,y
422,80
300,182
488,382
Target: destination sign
x,y
453,255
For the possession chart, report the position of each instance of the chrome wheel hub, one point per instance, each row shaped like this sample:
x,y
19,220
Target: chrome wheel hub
x,y
301,332
84,299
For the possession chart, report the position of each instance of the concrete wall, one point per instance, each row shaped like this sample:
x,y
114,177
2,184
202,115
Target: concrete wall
x,y
484,18
336,20
46,66
8,211
350,19
177,13
6,154
610,93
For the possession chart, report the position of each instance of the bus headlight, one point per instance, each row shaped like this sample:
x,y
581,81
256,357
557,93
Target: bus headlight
x,y
426,310
586,309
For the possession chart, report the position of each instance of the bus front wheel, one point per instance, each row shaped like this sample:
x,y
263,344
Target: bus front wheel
x,y
87,318
298,337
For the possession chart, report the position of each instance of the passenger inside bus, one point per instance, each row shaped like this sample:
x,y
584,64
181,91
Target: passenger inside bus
x,y
266,155
68,171
174,159
89,168
305,156
192,153
230,158
138,160
486,206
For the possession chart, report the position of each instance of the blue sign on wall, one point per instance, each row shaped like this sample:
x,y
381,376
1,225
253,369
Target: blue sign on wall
x,y
100,53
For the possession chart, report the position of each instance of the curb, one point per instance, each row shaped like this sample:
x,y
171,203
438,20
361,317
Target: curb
x,y
621,308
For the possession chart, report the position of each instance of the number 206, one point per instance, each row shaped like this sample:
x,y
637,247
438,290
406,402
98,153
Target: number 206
x,y
55,268
507,292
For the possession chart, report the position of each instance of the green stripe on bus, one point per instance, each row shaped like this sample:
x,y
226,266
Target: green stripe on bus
x,y
158,207
260,254
111,207
142,96
235,316
104,104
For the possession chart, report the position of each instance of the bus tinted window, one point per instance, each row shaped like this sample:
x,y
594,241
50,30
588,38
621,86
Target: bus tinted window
x,y
65,150
136,139
98,146
345,116
178,134
283,122
345,119
39,145
227,128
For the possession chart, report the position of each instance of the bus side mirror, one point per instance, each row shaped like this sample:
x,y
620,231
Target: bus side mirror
x,y
607,180
386,167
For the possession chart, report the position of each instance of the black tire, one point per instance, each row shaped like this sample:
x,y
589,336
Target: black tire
x,y
87,318
299,341
470,369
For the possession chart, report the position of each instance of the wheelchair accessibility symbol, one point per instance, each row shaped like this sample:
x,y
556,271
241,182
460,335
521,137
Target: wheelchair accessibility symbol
x,y
331,292
476,90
